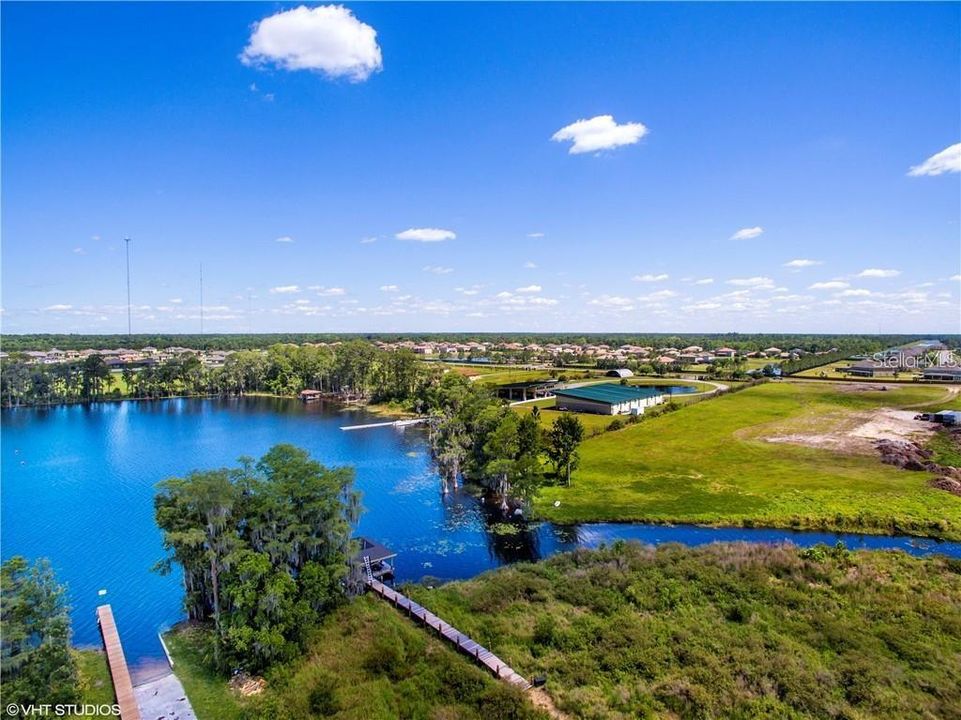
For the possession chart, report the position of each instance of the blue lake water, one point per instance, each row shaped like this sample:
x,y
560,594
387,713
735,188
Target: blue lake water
x,y
78,486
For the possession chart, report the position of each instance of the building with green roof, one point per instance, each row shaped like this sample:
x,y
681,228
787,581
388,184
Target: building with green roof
x,y
608,399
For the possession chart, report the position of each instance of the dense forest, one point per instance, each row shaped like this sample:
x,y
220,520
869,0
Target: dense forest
x,y
263,548
356,369
241,341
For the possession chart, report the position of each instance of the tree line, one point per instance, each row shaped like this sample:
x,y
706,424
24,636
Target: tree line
x,y
357,369
476,437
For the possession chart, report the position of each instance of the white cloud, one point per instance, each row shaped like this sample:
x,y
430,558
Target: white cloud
x,y
704,281
802,263
599,133
325,291
437,269
955,277
285,289
747,233
58,308
79,251
284,239
535,235
426,235
529,289
878,273
613,302
946,161
829,285
703,306
175,301
649,277
854,292
368,240
389,288
327,39
752,282
530,265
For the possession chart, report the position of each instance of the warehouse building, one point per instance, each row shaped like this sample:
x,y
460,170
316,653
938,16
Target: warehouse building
x,y
608,399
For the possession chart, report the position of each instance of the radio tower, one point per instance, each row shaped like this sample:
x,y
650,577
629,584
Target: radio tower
x,y
201,298
127,245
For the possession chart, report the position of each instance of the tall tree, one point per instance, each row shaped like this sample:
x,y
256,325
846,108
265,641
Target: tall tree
x,y
562,442
35,660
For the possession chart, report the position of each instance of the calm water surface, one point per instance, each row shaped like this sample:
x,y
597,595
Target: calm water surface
x,y
78,486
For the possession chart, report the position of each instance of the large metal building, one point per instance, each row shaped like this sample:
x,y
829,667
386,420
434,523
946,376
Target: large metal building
x,y
608,399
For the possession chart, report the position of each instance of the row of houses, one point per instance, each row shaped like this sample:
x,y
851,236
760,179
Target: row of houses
x,y
119,357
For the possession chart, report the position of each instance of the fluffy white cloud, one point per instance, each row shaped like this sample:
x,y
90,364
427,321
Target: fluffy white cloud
x,y
530,265
529,289
437,269
854,292
426,235
955,277
388,288
747,233
649,277
327,39
802,263
284,239
829,285
704,281
368,240
707,305
175,301
58,308
599,133
946,161
328,291
613,302
878,273
752,282
535,235
285,289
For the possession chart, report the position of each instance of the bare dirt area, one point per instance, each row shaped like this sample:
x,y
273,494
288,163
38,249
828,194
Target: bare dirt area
x,y
859,433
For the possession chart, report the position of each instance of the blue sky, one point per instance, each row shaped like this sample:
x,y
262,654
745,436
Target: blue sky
x,y
740,167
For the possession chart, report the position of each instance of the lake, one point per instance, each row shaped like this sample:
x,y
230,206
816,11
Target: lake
x,y
78,486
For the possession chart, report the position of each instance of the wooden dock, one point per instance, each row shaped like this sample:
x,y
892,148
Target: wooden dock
x,y
462,642
389,423
122,686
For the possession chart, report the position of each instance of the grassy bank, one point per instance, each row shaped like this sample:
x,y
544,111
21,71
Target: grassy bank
x,y
712,463
728,630
366,662
735,631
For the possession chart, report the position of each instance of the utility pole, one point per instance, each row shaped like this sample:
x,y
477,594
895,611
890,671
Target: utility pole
x,y
201,298
129,333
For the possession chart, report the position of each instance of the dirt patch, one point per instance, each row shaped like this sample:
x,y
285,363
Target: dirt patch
x,y
861,431
544,701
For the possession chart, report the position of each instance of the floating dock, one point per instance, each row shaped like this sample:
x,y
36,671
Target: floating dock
x,y
119,673
481,655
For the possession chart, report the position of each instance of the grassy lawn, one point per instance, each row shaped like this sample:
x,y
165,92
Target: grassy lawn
x,y
365,662
96,687
724,631
833,372
709,463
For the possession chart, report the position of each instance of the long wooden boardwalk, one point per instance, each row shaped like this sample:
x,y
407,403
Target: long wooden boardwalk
x,y
122,686
466,645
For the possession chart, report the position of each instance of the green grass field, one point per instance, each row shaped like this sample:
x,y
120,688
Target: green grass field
x,y
832,371
725,631
366,661
709,463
